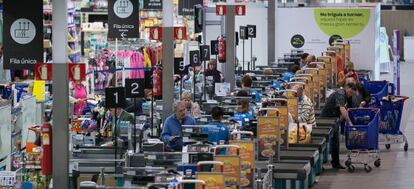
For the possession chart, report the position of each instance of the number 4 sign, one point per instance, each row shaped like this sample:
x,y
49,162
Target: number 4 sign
x,y
115,97
134,88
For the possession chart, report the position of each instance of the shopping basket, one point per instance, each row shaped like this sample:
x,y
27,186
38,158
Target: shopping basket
x,y
363,134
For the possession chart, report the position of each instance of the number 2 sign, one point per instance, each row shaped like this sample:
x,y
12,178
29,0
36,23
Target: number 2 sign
x,y
134,88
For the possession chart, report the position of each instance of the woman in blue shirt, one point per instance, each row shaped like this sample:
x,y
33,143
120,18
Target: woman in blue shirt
x,y
216,130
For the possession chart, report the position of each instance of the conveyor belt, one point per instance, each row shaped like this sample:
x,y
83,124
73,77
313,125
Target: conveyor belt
x,y
325,121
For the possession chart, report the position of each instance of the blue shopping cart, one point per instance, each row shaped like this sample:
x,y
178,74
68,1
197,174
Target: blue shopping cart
x,y
390,120
362,138
378,89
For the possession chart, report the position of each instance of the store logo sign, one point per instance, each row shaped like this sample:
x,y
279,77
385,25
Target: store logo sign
x,y
23,31
297,41
123,8
334,38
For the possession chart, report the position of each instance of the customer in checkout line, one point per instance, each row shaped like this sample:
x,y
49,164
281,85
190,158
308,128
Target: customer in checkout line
x,y
306,112
217,131
336,107
350,71
171,132
309,59
192,107
303,59
361,98
124,119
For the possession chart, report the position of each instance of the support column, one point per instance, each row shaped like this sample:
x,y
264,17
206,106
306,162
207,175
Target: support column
x,y
60,129
167,58
271,31
229,69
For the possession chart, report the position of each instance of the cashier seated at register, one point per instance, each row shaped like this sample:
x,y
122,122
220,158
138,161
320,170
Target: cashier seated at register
x,y
217,131
171,132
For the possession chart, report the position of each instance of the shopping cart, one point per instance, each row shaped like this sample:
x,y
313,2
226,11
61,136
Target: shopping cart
x,y
378,89
390,120
361,139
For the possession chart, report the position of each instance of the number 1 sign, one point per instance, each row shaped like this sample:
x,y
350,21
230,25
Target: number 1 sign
x,y
115,97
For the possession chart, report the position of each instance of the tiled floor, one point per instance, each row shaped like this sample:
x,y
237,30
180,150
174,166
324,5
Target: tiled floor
x,y
397,169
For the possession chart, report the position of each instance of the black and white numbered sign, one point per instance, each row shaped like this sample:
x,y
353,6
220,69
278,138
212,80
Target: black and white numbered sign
x,y
123,19
205,52
195,59
115,97
251,31
23,33
243,32
134,88
179,67
214,47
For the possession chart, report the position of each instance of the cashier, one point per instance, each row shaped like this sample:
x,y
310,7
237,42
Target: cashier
x,y
171,132
217,131
212,71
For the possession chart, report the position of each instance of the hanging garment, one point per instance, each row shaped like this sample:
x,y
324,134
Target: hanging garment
x,y
137,61
147,60
79,93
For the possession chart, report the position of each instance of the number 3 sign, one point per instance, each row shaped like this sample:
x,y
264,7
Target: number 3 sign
x,y
134,88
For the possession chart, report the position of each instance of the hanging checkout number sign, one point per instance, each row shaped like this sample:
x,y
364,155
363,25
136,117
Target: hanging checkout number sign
x,y
179,67
251,31
115,97
243,32
205,52
195,58
123,19
214,47
23,33
134,88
